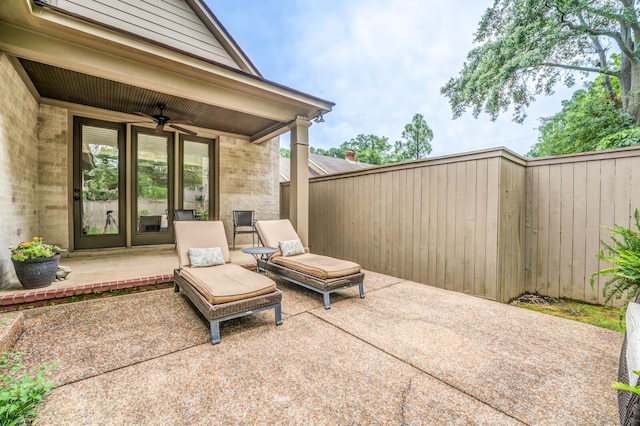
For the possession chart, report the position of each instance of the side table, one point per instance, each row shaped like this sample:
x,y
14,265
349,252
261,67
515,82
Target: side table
x,y
260,253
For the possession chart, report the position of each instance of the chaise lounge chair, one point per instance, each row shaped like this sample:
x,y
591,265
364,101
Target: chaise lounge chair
x,y
219,289
292,262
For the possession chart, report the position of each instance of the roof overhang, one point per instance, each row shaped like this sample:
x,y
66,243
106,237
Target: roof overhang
x,y
67,59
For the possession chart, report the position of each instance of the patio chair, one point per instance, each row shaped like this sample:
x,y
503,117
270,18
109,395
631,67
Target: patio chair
x,y
244,223
222,291
188,214
292,262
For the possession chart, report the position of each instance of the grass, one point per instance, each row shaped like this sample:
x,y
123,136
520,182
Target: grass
x,y
600,316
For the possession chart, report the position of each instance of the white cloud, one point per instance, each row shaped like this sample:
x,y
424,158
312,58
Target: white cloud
x,y
383,61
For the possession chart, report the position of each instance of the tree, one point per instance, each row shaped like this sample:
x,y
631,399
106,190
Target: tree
x,y
582,123
527,46
285,153
370,149
331,152
416,140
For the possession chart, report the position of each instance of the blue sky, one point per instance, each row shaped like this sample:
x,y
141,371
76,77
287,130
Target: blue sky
x,y
380,62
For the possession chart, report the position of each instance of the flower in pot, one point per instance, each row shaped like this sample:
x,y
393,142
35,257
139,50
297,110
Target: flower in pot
x,y
35,262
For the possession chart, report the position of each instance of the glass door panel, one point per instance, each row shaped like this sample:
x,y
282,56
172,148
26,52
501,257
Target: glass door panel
x,y
98,183
152,176
195,177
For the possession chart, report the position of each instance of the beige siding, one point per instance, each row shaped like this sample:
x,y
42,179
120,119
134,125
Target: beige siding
x,y
169,22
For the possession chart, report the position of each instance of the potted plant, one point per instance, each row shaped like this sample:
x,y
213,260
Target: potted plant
x,y
35,262
623,255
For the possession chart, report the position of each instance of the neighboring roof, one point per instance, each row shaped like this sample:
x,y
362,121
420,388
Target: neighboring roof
x,y
321,165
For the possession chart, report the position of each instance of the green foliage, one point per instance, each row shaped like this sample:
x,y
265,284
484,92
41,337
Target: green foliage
x,y
623,253
285,153
416,140
625,387
526,47
21,391
369,149
101,182
331,152
33,249
582,123
622,139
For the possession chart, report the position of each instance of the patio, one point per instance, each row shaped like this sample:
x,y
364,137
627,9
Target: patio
x,y
406,354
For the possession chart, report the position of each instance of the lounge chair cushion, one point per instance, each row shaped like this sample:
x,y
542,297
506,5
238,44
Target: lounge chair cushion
x,y
323,267
199,234
633,341
203,257
291,248
227,283
273,231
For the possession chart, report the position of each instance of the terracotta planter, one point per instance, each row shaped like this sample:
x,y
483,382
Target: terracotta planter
x,y
37,273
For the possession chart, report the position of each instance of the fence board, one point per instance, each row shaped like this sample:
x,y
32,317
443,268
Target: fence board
x,y
480,267
566,228
470,227
579,224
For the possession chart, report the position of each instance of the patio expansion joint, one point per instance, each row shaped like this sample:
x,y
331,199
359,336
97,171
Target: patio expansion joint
x,y
102,373
417,368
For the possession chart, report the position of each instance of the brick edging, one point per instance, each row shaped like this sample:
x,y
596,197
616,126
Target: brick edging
x,y
58,293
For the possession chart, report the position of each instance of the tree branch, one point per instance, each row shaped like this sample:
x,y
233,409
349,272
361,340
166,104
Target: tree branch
x,y
635,26
626,49
579,68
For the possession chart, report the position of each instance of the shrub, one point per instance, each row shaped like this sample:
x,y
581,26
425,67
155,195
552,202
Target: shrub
x,y
624,255
20,390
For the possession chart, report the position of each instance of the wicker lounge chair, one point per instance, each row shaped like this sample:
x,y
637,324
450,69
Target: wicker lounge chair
x,y
224,291
628,402
322,274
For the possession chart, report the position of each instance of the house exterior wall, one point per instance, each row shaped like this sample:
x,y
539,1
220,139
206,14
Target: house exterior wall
x,y
170,22
53,170
18,166
249,180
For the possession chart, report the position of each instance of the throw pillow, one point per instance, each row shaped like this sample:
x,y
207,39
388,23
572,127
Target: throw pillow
x,y
291,247
633,341
202,257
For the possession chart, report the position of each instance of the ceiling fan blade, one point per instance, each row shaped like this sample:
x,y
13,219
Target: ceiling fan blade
x,y
145,115
182,129
159,129
179,121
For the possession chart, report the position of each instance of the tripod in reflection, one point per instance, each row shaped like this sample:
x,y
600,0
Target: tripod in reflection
x,y
110,224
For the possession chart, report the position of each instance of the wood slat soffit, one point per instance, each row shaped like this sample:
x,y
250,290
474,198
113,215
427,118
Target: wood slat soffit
x,y
70,86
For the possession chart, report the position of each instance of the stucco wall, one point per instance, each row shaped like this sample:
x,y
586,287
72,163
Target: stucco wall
x,y
249,180
18,166
53,167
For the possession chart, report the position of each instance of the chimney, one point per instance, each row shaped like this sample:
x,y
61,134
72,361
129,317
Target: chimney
x,y
350,156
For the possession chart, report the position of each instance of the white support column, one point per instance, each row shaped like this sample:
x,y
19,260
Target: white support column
x,y
299,197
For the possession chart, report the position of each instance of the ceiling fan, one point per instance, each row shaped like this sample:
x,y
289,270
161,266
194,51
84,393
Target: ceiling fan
x,y
162,120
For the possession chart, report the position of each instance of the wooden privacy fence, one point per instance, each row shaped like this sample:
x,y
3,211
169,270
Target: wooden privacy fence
x,y
487,223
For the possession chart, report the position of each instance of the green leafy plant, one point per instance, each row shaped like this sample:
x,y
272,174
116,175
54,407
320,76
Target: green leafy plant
x,y
20,390
624,255
33,249
625,387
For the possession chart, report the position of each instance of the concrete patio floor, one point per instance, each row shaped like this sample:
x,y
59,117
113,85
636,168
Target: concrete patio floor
x,y
406,354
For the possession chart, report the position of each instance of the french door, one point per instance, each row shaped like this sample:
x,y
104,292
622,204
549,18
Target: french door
x,y
98,184
125,191
152,189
